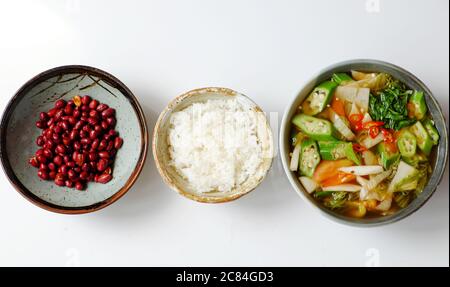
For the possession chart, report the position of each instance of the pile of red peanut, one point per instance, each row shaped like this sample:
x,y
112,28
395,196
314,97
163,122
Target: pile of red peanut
x,y
78,143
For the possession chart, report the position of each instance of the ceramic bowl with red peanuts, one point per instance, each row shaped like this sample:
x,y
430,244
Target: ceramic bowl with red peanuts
x,y
73,140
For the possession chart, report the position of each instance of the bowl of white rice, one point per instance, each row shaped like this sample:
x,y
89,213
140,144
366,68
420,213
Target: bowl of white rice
x,y
213,145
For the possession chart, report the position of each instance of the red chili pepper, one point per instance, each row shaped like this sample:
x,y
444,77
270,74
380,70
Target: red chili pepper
x,y
355,118
374,131
356,121
359,126
358,148
388,137
368,125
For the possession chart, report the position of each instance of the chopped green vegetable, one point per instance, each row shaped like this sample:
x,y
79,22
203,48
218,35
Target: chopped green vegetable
x,y
309,157
432,131
390,106
319,98
407,143
419,107
412,185
321,194
402,198
353,196
388,157
337,200
341,78
424,140
415,160
351,154
318,129
296,137
424,172
332,150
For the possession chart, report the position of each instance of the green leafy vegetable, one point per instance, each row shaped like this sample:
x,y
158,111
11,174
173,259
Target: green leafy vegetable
x,y
390,106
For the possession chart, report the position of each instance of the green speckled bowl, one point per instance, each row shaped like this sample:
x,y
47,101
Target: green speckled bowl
x,y
18,133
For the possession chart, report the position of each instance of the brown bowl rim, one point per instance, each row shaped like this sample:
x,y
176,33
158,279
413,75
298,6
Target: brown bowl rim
x,y
15,182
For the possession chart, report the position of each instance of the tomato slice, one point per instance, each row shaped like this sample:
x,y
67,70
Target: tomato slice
x,y
338,179
338,106
329,168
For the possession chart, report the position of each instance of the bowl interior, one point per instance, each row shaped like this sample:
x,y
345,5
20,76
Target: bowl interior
x,y
161,146
438,157
39,95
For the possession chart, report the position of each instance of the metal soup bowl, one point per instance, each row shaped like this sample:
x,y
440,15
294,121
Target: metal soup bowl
x,y
438,157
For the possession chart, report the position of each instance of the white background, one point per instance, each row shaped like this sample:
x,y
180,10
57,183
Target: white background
x,y
265,49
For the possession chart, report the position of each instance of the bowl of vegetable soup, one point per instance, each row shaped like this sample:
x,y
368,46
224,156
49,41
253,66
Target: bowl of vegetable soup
x,y
365,142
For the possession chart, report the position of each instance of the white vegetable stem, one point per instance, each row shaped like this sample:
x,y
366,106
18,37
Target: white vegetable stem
x,y
309,184
354,110
365,193
376,180
357,95
343,187
340,125
362,99
347,94
369,142
369,158
295,158
362,181
362,169
385,205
